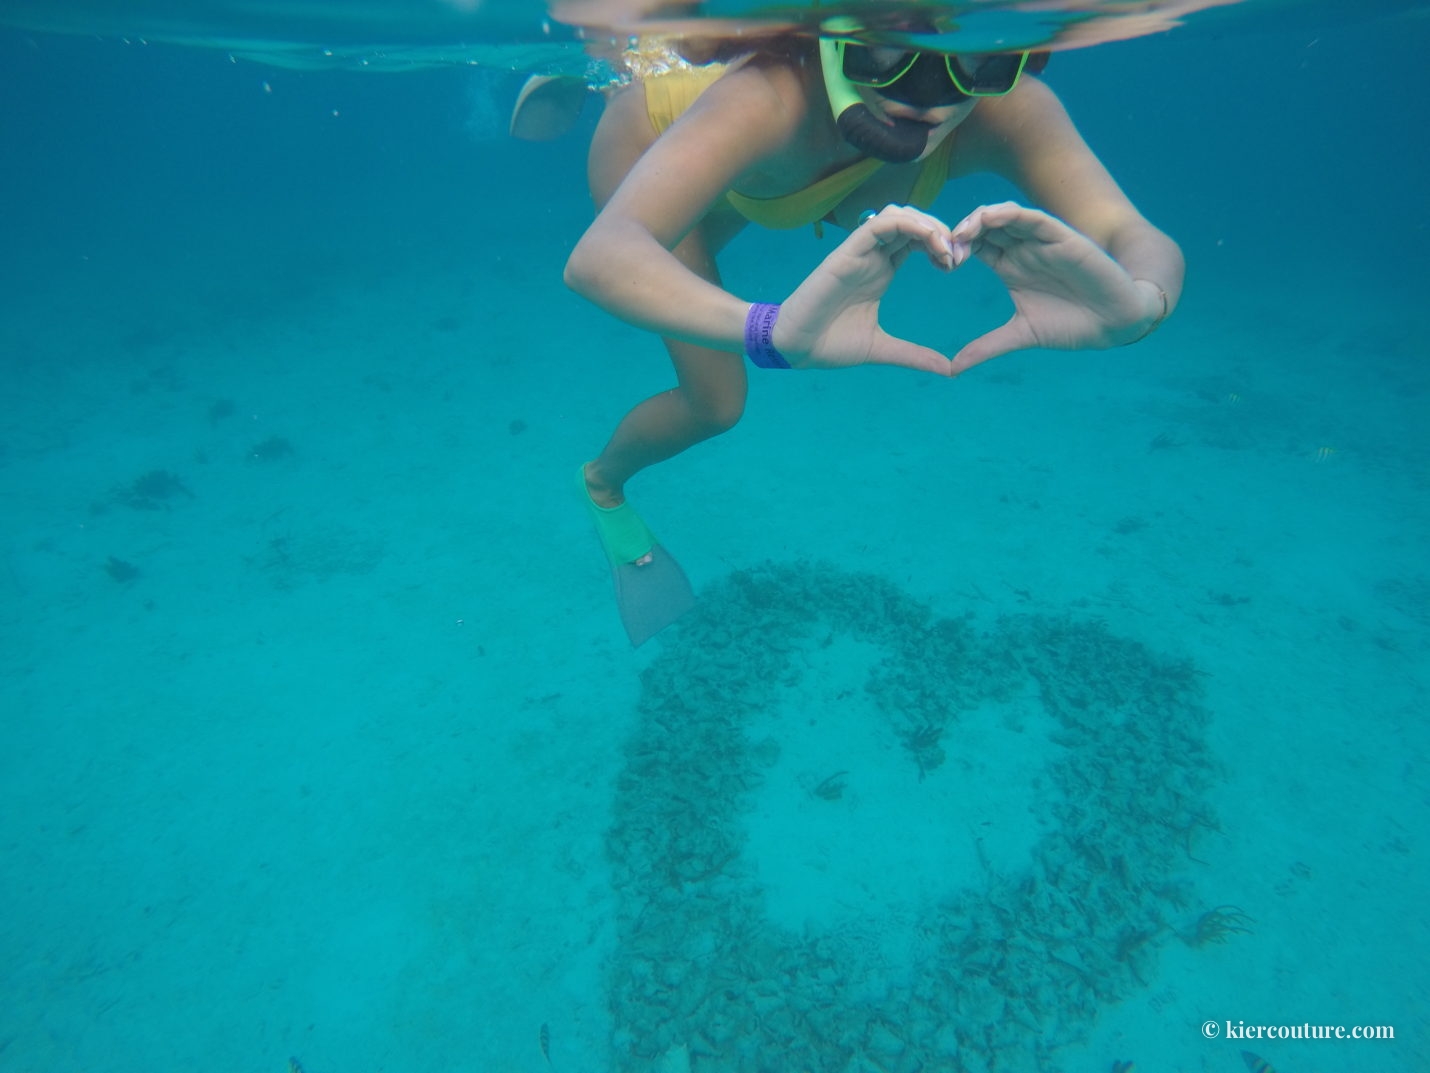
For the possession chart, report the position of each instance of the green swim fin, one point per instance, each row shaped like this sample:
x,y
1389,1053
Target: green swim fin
x,y
650,595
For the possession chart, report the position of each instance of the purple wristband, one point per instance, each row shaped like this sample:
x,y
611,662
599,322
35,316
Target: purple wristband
x,y
759,336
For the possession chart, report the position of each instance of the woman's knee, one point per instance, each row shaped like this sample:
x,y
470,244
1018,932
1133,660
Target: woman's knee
x,y
716,412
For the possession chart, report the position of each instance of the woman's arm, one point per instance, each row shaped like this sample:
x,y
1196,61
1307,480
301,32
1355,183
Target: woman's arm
x,y
634,260
626,261
1029,138
1090,271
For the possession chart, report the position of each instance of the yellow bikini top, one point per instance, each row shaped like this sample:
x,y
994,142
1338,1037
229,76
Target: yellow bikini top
x,y
817,200
671,92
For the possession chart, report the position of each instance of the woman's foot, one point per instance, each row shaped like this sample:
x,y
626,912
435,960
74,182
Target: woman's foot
x,y
548,106
623,534
602,494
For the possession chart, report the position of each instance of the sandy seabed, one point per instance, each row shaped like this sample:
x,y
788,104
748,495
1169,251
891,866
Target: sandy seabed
x,y
1026,722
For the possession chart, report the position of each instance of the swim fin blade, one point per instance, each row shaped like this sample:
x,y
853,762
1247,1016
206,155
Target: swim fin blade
x,y
652,596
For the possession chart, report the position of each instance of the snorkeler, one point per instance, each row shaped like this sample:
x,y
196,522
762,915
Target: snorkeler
x,y
861,135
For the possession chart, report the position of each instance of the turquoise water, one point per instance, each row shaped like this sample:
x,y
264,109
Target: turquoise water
x,y
1027,722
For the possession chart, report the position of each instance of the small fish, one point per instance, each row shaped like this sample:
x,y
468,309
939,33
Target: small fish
x,y
1257,1064
543,1038
1124,1067
295,1066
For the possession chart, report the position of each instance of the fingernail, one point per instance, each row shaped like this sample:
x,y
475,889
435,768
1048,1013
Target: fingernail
x,y
960,252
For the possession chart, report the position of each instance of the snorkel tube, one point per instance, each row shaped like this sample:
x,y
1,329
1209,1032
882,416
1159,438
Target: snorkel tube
x,y
892,141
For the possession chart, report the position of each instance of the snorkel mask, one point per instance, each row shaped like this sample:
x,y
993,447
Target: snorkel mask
x,y
920,79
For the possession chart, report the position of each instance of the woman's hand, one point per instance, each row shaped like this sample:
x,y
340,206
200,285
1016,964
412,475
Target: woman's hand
x,y
832,319
1068,294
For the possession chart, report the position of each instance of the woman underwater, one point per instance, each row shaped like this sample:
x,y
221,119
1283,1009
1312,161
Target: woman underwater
x,y
862,135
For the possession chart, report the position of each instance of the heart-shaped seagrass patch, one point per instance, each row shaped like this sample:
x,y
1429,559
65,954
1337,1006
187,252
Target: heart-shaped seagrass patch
x,y
852,835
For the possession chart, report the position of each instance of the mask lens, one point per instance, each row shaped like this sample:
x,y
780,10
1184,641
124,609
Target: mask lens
x,y
988,74
874,65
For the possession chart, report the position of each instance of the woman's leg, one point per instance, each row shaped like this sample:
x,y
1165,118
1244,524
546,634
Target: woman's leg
x,y
704,405
708,399
710,393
